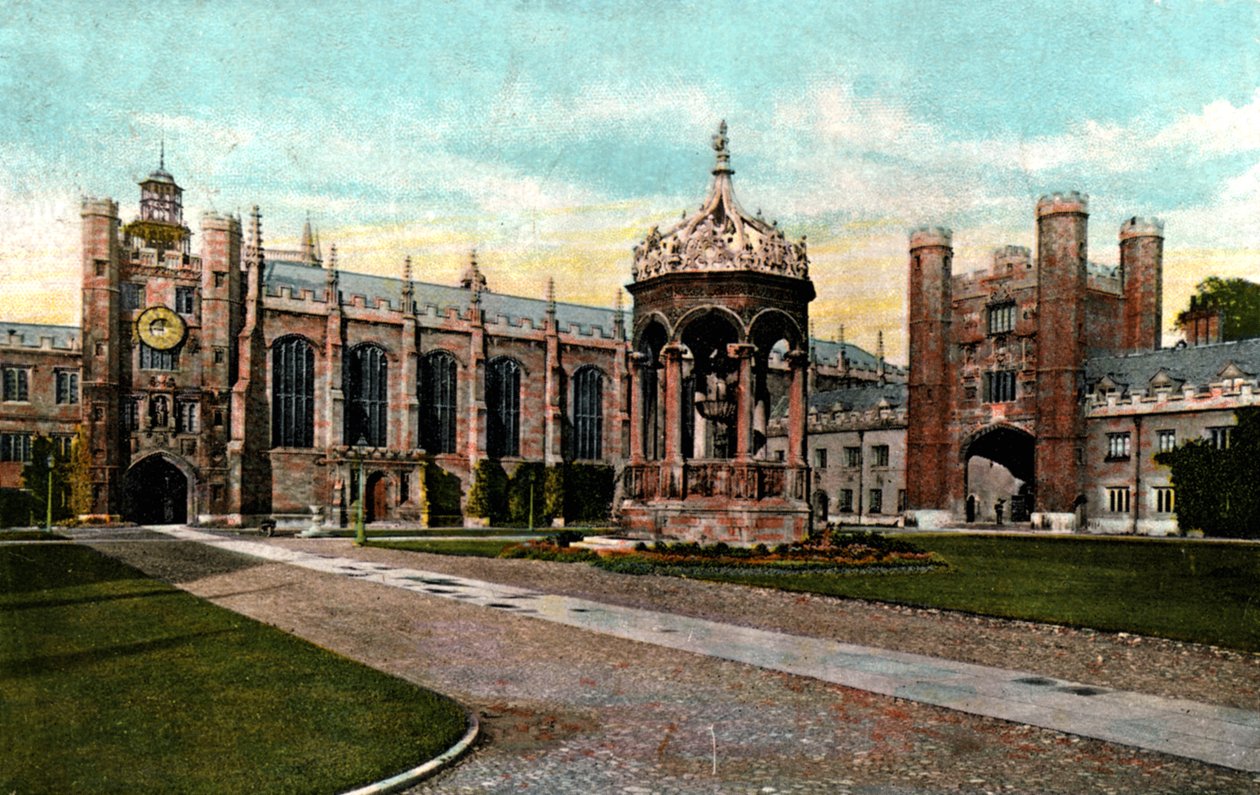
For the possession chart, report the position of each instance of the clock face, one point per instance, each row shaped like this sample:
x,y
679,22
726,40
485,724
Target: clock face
x,y
160,328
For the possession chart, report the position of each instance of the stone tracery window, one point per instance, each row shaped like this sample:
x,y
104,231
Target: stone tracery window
x,y
588,414
503,404
366,384
292,393
438,402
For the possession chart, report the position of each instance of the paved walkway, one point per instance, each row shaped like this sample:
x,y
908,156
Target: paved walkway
x,y
1218,735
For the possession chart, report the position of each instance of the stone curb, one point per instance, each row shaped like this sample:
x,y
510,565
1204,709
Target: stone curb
x,y
434,765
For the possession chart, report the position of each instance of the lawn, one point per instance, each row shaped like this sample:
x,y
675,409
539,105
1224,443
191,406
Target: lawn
x,y
1186,590
1198,591
464,547
447,532
113,682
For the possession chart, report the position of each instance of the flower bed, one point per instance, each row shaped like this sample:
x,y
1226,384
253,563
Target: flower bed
x,y
831,553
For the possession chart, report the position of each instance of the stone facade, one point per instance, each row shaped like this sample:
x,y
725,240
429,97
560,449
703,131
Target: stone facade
x,y
40,391
1045,366
243,382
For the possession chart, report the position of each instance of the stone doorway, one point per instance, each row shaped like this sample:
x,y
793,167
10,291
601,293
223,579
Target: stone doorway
x,y
999,466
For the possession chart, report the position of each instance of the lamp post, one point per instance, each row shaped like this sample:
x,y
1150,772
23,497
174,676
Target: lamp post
x,y
360,533
48,515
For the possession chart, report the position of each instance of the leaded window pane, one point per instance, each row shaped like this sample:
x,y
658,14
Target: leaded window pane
x,y
588,414
437,403
503,401
366,381
292,393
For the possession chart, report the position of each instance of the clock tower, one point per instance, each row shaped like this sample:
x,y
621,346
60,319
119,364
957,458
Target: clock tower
x,y
159,368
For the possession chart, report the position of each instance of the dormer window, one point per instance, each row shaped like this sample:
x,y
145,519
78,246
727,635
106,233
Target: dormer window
x,y
1002,318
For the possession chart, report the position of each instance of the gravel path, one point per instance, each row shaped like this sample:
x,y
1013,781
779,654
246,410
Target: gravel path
x,y
569,711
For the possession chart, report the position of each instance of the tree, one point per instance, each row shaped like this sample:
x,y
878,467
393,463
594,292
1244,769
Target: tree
x,y
1217,490
80,474
487,498
1238,300
35,477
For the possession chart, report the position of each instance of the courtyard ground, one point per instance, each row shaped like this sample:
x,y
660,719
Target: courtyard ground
x,y
572,711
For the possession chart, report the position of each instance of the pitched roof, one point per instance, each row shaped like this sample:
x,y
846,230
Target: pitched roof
x,y
828,352
1197,364
862,397
575,318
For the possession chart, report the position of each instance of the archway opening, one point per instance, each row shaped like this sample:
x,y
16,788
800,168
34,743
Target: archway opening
x,y
774,334
708,395
1000,476
155,491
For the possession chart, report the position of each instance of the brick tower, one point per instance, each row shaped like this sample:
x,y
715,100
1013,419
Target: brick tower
x,y
1062,254
101,349
158,356
1141,269
931,375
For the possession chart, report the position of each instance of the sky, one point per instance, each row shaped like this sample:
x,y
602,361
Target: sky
x,y
551,135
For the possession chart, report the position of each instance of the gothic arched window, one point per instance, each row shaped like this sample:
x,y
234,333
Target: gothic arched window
x,y
437,402
292,393
588,414
366,380
503,404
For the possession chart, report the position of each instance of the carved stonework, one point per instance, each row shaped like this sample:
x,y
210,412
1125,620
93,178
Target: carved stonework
x,y
720,236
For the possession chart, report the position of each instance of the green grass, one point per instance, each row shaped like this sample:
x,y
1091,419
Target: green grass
x,y
1195,591
1185,590
113,682
448,532
31,535
470,547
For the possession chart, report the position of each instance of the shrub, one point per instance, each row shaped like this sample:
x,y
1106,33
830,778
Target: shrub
x,y
35,479
553,493
528,479
80,474
1216,489
17,507
442,493
541,550
563,538
588,492
487,498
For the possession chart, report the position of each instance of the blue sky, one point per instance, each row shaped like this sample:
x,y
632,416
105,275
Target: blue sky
x,y
551,135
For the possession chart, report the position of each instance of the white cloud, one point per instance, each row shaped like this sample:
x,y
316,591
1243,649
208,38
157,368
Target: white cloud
x,y
1219,128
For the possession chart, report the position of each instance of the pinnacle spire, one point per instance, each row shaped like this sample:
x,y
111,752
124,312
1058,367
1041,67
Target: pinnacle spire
x,y
472,279
308,242
720,141
879,348
254,244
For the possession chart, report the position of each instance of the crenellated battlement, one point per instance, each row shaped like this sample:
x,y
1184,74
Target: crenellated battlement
x,y
1141,227
94,206
31,336
220,221
1063,202
1006,258
925,236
